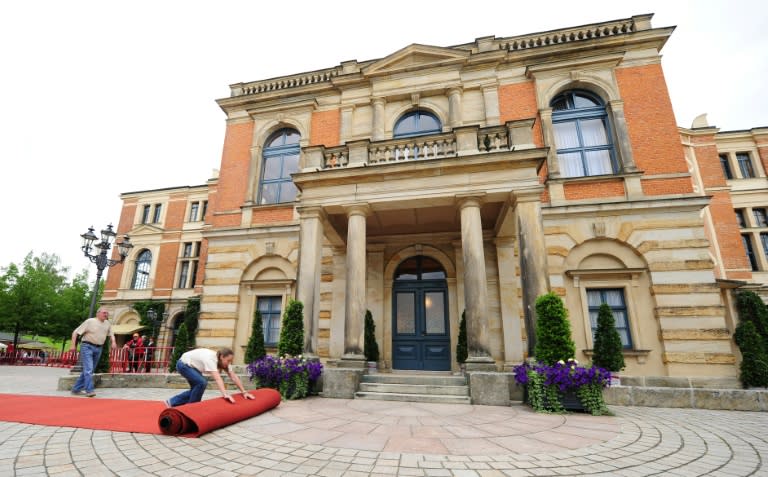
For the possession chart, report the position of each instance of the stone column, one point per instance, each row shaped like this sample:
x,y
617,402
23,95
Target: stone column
x,y
510,303
454,107
475,285
308,288
533,260
378,119
356,286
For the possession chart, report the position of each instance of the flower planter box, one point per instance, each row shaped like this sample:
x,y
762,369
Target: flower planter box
x,y
569,400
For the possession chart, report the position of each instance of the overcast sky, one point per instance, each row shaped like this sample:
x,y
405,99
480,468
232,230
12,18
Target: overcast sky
x,y
103,97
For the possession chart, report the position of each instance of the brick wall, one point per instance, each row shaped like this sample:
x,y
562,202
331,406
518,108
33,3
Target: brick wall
x,y
518,101
592,190
652,128
278,213
235,170
326,128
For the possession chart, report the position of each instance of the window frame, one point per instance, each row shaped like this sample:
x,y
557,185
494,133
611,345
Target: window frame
x,y
577,116
189,260
746,166
725,164
144,267
746,241
625,346
280,151
760,217
417,131
740,218
267,322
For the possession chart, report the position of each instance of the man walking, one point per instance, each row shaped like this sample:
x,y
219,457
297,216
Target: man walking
x,y
94,332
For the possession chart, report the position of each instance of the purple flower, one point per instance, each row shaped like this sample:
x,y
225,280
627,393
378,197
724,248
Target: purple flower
x,y
566,376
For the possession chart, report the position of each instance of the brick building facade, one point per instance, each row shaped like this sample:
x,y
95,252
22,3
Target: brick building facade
x,y
471,178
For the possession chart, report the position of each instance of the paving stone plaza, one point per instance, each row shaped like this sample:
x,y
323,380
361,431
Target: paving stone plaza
x,y
338,437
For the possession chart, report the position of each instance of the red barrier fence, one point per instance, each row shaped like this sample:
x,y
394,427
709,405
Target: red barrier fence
x,y
121,360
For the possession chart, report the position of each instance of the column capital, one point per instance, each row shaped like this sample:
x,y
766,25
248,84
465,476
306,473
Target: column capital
x,y
310,211
469,200
360,208
378,101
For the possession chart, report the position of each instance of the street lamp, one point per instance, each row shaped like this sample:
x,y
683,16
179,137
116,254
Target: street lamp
x,y
156,321
100,257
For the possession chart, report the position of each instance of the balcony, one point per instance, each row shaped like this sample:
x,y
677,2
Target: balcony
x,y
462,141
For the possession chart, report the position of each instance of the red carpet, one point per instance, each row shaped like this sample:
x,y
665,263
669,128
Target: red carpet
x,y
204,416
126,415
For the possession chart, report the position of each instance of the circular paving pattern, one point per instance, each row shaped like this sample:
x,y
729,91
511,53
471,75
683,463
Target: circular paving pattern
x,y
331,437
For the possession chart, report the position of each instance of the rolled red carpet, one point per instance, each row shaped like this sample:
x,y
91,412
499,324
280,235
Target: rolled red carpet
x,y
205,416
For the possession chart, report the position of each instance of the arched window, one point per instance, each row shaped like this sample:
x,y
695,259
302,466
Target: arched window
x,y
417,123
419,267
141,274
582,135
279,160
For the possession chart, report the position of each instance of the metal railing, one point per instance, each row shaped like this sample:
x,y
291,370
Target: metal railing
x,y
121,360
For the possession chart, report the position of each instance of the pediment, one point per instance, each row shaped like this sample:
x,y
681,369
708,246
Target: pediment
x,y
416,57
145,229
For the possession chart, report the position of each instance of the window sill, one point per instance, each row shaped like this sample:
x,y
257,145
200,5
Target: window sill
x,y
603,177
639,354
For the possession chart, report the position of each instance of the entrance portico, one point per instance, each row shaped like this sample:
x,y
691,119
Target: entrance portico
x,y
456,211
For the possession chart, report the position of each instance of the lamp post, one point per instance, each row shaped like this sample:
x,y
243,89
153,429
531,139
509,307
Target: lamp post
x,y
100,258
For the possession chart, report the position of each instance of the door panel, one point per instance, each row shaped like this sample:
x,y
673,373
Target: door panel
x,y
421,340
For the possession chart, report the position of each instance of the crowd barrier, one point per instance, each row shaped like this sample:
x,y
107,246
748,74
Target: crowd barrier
x,y
121,360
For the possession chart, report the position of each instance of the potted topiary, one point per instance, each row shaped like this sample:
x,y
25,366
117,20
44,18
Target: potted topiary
x,y
607,352
461,343
370,347
556,382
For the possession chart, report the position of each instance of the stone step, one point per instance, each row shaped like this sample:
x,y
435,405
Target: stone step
x,y
407,397
425,379
415,389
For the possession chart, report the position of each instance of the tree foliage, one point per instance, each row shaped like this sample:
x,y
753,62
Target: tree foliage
x,y
291,341
370,347
553,330
37,298
608,347
461,343
255,349
180,346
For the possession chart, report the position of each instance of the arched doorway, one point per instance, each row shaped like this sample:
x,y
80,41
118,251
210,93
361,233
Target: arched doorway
x,y
421,337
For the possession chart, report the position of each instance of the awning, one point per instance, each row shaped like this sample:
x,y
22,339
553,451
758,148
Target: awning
x,y
33,345
126,328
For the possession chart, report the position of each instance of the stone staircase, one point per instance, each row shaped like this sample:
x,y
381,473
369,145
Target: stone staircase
x,y
436,388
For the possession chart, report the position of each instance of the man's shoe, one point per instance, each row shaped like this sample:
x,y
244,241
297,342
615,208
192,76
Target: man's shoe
x,y
79,393
167,403
90,394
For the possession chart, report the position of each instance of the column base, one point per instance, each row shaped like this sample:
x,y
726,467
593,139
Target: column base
x,y
352,361
480,363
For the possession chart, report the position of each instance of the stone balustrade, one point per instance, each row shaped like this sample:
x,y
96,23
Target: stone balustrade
x,y
411,149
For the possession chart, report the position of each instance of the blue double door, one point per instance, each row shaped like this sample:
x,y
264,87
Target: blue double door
x,y
421,335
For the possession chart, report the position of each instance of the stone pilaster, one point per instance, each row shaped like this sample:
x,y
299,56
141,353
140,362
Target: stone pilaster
x,y
378,119
308,287
533,260
356,285
622,133
553,165
510,303
454,107
475,286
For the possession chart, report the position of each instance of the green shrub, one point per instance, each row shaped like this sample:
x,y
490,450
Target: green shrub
x,y
191,315
291,341
371,348
461,342
608,347
753,371
255,349
180,346
553,330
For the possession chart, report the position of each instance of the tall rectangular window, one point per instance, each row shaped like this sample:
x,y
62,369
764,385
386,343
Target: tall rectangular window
x,y
760,218
145,214
204,210
726,166
750,251
745,165
764,242
269,307
188,262
740,218
158,213
614,297
193,210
